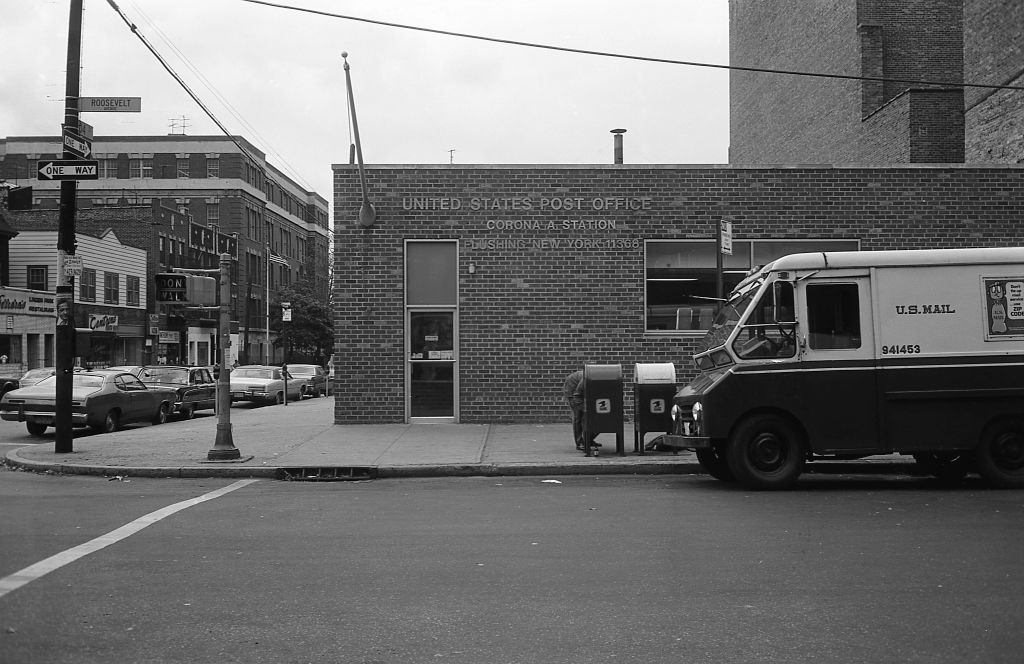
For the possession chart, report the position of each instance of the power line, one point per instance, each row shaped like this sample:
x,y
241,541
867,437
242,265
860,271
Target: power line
x,y
640,58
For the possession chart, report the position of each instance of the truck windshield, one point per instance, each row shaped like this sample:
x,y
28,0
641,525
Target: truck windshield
x,y
727,319
770,328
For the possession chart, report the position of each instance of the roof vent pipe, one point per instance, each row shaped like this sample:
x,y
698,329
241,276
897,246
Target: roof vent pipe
x,y
618,144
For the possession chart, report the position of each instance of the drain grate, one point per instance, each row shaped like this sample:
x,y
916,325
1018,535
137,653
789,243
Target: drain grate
x,y
327,473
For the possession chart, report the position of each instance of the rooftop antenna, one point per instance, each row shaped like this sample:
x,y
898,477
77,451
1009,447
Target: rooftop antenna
x,y
179,123
367,215
451,156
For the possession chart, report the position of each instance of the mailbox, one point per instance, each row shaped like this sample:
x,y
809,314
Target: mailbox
x,y
602,394
653,391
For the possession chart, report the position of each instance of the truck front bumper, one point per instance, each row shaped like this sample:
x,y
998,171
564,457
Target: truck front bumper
x,y
686,442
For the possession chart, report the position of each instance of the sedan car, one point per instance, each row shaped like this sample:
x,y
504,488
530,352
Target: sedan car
x,y
194,387
313,376
262,384
33,376
103,400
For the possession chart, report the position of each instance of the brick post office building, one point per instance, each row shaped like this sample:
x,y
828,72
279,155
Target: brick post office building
x,y
479,288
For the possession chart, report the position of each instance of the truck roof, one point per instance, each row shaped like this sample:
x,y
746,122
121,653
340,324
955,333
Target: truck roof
x,y
903,258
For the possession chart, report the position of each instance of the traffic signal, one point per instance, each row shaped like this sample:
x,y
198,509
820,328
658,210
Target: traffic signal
x,y
190,289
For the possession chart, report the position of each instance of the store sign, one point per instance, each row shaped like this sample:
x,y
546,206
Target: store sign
x,y
169,337
102,323
34,303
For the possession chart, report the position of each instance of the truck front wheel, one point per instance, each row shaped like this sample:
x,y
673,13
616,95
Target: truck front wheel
x,y
1000,456
766,452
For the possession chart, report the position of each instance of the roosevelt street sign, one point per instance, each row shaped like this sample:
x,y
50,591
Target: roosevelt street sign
x,y
110,104
69,169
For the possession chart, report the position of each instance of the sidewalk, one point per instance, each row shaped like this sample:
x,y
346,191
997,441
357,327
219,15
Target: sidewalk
x,y
300,441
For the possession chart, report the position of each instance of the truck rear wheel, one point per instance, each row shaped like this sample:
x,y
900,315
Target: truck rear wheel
x,y
766,452
1000,456
713,460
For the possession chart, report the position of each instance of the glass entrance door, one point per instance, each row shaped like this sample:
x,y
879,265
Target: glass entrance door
x,y
433,379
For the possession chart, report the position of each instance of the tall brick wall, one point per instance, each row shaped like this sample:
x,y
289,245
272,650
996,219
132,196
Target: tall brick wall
x,y
778,119
994,54
543,301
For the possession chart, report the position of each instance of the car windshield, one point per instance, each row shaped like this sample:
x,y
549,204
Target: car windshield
x,y
165,375
36,374
252,373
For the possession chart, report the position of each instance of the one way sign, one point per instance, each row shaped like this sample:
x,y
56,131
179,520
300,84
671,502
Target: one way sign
x,y
69,169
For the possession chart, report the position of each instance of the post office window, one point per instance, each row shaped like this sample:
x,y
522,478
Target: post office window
x,y
681,279
833,316
431,273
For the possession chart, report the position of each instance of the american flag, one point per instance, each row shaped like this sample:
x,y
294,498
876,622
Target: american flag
x,y
275,258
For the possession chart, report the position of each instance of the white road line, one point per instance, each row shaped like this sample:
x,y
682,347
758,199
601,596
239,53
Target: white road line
x,y
33,572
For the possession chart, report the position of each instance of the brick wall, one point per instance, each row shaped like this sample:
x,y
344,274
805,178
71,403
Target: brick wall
x,y
994,54
545,301
775,119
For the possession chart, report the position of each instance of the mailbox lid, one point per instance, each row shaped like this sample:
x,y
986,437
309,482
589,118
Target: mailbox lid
x,y
661,373
602,372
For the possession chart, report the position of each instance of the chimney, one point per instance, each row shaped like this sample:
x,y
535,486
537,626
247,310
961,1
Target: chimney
x,y
618,144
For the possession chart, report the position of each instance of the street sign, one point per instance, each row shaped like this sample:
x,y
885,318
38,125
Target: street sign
x,y
727,238
110,104
73,266
69,169
286,312
85,129
76,144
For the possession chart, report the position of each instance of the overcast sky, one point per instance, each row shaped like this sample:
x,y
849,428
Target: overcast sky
x,y
275,76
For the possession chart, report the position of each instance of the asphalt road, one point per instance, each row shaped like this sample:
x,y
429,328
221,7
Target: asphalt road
x,y
531,570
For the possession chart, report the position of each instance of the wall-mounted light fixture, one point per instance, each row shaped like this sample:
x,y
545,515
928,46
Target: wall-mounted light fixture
x,y
472,268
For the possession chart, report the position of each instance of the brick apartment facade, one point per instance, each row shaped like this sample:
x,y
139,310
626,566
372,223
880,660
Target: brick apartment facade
x,y
533,271
778,119
214,186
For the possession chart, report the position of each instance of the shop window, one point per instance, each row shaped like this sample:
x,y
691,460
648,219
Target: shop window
x,y
111,288
681,280
132,291
87,285
37,278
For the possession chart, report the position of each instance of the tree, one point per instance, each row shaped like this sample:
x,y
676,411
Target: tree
x,y
309,335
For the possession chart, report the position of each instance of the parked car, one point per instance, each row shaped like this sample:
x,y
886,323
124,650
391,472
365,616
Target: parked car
x,y
133,369
263,384
10,376
194,387
33,376
313,376
103,400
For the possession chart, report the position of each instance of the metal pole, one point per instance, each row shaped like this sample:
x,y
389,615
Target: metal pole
x,y
367,213
64,335
224,447
267,302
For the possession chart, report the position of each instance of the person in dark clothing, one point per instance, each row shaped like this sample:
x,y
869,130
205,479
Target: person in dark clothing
x,y
572,390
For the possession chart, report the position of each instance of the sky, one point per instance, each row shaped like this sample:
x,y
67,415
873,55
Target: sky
x,y
276,77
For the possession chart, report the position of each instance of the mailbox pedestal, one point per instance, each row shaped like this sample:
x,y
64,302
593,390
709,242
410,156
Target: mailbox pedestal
x,y
653,391
602,394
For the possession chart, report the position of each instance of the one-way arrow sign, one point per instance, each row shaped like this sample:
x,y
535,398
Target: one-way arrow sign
x,y
69,169
78,146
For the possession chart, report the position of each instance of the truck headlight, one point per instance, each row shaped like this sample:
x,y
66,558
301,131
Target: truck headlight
x,y
698,414
676,413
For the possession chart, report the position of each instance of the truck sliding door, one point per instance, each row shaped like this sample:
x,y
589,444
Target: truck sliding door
x,y
838,393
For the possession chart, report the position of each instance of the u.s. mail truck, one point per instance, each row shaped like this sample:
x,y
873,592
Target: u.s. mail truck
x,y
844,355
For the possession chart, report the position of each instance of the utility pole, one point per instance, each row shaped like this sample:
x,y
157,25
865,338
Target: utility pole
x,y
65,328
224,446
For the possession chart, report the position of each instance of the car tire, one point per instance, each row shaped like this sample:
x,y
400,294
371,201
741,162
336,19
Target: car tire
x,y
279,399
161,414
766,452
1000,455
111,423
35,428
187,412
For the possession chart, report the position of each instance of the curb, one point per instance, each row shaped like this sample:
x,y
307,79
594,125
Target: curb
x,y
14,460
